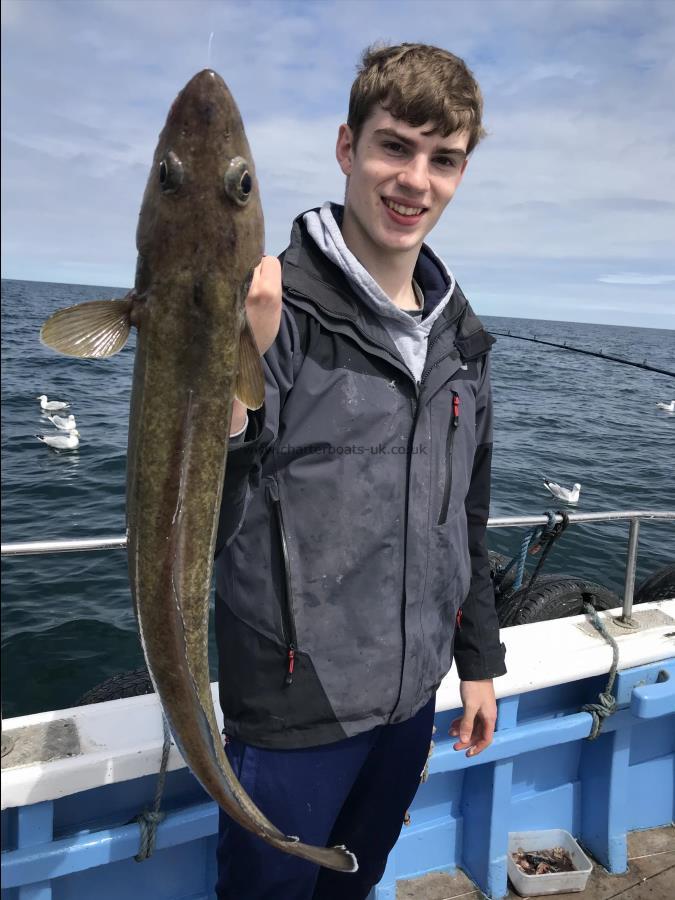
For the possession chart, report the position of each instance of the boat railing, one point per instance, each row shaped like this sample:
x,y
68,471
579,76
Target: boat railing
x,y
633,516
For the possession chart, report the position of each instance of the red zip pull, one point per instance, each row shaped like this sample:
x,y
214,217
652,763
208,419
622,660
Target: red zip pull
x,y
459,618
291,665
455,409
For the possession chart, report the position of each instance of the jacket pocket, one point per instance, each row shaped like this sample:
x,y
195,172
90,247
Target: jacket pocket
x,y
453,425
287,616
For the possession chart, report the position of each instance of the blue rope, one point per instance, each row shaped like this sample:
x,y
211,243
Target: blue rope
x,y
606,704
537,533
520,571
149,819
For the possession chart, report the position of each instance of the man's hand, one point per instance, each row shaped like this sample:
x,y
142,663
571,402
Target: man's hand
x,y
263,302
263,311
476,727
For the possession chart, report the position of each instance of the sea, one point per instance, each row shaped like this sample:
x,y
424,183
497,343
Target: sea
x,y
67,620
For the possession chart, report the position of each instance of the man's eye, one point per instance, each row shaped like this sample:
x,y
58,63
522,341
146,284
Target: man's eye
x,y
393,146
452,163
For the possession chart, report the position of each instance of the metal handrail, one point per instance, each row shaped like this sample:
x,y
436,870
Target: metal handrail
x,y
31,548
27,548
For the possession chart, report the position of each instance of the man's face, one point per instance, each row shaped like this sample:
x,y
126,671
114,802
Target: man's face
x,y
400,179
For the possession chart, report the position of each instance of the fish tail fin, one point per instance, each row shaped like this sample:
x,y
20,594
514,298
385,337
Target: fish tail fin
x,y
250,386
92,330
338,858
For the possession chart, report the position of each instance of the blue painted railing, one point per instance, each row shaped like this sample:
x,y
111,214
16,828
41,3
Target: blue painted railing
x,y
540,772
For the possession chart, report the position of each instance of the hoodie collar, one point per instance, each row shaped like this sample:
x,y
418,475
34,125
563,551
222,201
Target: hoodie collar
x,y
308,272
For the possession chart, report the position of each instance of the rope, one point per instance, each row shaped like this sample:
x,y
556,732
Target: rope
x,y
543,536
149,819
425,771
606,704
521,559
549,534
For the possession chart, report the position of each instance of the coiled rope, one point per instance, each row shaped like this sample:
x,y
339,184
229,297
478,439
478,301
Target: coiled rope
x,y
606,704
541,536
548,536
149,819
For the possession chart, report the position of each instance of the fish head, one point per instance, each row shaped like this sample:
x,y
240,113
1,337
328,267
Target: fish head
x,y
201,218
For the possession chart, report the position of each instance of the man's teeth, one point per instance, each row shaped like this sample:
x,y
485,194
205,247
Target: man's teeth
x,y
404,210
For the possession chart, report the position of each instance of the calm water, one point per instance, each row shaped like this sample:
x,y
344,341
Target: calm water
x,y
67,622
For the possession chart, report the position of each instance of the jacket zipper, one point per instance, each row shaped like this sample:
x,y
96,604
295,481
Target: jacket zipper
x,y
287,617
449,442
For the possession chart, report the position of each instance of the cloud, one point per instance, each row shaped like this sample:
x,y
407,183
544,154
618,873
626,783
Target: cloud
x,y
637,278
573,180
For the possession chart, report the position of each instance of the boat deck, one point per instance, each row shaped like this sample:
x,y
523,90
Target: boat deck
x,y
650,876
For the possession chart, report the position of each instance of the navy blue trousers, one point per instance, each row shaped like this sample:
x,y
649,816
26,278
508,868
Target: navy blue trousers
x,y
354,792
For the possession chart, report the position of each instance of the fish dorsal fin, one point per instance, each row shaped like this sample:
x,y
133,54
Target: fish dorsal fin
x,y
250,387
95,329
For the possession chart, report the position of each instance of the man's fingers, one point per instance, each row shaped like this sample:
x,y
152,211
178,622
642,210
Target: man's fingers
x,y
256,277
485,738
475,733
269,267
266,281
464,728
263,302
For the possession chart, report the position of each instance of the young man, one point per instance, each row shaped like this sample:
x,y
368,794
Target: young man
x,y
351,560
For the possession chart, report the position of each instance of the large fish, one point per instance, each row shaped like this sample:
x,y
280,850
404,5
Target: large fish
x,y
200,235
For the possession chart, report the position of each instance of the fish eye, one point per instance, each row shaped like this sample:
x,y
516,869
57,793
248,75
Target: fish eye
x,y
170,173
238,181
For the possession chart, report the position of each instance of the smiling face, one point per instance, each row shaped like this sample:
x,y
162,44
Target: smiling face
x,y
400,179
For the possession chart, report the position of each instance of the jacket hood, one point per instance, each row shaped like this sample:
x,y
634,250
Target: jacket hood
x,y
309,272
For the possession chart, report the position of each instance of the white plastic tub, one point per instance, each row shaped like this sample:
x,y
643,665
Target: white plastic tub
x,y
553,882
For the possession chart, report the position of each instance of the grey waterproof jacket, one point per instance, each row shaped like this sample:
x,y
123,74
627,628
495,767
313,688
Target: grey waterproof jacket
x,y
351,558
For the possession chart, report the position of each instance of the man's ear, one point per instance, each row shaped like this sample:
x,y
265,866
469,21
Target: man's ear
x,y
344,149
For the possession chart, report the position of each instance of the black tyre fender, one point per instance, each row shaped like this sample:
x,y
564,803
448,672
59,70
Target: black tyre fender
x,y
659,586
125,684
499,561
554,596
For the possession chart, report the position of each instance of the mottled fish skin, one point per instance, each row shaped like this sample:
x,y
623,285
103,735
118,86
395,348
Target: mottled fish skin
x,y
199,237
197,247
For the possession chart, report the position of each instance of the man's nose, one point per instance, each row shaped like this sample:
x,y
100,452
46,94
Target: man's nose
x,y
415,174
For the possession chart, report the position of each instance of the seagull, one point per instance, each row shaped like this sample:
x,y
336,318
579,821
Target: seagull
x,y
563,493
69,441
51,405
63,424
669,407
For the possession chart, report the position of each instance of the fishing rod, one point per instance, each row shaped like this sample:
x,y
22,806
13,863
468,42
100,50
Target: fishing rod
x,y
599,354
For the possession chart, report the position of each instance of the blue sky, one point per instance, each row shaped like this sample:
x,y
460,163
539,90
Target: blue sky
x,y
567,210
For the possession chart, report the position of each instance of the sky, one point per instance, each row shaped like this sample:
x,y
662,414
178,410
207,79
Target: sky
x,y
567,208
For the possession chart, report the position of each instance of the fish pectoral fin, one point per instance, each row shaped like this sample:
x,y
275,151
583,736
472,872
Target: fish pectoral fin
x,y
250,386
91,330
